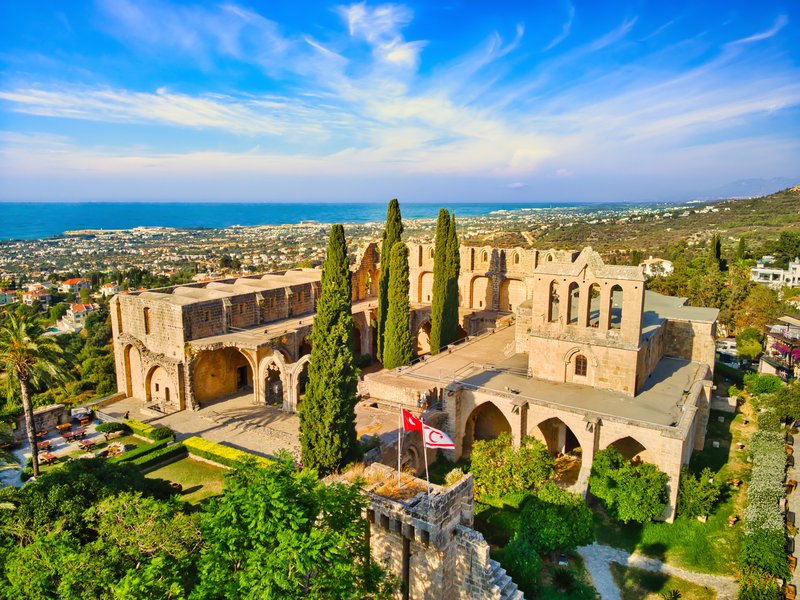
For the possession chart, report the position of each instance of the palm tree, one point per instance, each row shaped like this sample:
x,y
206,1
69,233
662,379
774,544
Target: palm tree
x,y
30,361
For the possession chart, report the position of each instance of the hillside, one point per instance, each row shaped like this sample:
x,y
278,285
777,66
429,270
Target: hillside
x,y
758,219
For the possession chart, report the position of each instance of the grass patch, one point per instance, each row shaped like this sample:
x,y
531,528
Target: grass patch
x,y
199,480
638,584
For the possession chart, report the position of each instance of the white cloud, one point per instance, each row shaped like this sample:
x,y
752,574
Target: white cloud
x,y
565,29
779,24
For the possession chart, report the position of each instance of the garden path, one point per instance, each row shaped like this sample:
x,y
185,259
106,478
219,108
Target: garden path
x,y
597,557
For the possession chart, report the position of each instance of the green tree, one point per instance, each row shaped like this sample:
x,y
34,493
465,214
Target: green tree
x,y
759,308
327,415
280,533
440,279
30,360
697,494
748,343
501,469
450,313
636,257
629,492
741,249
58,310
398,345
555,519
391,235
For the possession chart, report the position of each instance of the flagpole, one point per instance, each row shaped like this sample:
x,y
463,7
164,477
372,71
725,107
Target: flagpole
x,y
425,454
399,442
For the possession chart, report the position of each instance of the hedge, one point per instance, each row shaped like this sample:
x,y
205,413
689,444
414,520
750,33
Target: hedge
x,y
139,452
150,432
768,420
224,455
160,456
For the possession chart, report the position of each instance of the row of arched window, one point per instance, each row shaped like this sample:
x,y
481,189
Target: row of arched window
x,y
569,309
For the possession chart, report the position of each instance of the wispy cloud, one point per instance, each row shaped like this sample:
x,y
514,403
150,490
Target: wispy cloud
x,y
779,24
565,29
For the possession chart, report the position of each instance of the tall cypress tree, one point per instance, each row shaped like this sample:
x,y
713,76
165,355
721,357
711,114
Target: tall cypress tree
x,y
327,415
391,235
398,347
450,320
440,278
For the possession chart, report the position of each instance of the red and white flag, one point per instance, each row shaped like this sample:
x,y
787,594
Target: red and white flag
x,y
410,422
433,438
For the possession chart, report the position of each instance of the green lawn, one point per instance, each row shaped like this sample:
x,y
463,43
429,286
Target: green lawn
x,y
74,451
199,480
638,584
711,547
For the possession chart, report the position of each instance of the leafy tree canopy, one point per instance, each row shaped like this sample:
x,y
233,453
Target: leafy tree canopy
x,y
500,469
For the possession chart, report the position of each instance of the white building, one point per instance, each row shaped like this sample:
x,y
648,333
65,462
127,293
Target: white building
x,y
657,267
8,296
109,289
776,278
74,285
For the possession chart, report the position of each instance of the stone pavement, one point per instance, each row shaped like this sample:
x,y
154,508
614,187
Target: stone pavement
x,y
236,421
597,558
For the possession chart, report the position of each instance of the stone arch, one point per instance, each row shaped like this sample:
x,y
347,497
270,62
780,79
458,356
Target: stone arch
x,y
631,449
425,287
423,337
615,300
159,386
563,444
272,375
571,367
412,459
573,303
512,293
305,346
300,381
485,422
554,302
593,306
484,257
480,292
222,372
133,371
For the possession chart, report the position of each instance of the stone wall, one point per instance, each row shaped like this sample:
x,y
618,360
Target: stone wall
x,y
44,419
691,340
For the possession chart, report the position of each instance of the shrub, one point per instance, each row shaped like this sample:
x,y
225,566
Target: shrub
x,y
454,476
768,420
756,585
762,384
224,455
111,427
160,456
26,473
697,495
555,519
500,469
162,433
131,455
522,562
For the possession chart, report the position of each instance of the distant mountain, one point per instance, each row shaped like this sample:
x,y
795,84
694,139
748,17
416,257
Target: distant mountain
x,y
749,188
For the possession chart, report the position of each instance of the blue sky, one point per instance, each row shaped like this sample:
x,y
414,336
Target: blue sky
x,y
425,101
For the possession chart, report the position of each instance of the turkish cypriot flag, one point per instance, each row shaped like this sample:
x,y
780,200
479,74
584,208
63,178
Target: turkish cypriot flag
x,y
434,438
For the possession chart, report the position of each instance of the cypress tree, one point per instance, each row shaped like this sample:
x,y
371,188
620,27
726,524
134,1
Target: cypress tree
x,y
440,278
741,249
450,321
391,235
398,347
327,415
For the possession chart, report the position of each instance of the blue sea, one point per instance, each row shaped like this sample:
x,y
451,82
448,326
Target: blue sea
x,y
32,220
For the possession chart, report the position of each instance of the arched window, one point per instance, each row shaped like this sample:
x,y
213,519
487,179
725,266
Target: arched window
x,y
593,306
615,308
484,256
420,256
430,253
552,315
516,258
574,299
581,365
549,258
147,321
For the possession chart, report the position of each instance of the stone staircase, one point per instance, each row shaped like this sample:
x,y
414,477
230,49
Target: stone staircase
x,y
505,586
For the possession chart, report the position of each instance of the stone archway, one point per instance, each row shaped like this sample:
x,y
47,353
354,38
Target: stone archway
x,y
220,373
299,382
480,293
564,445
631,449
423,338
273,375
512,293
425,288
161,388
485,422
133,372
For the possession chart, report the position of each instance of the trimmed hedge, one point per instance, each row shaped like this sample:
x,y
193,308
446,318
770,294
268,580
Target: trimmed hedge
x,y
768,420
224,455
111,427
132,455
160,456
150,432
